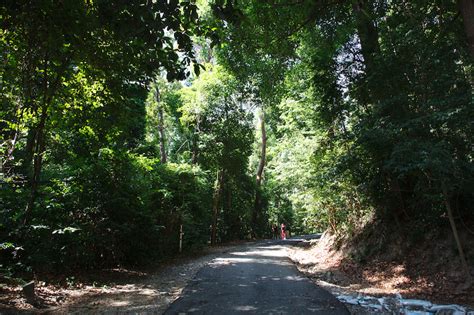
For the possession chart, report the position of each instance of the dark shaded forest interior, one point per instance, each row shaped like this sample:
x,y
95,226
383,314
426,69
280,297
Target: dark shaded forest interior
x,y
124,124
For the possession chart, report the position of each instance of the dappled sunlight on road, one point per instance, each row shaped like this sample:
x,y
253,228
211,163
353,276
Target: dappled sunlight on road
x,y
256,255
270,251
232,261
245,308
259,278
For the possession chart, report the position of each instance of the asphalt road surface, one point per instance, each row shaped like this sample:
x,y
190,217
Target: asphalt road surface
x,y
256,279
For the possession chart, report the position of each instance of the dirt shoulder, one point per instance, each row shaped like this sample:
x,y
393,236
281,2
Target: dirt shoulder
x,y
112,291
428,273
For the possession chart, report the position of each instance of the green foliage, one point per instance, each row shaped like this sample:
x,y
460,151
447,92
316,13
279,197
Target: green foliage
x,y
367,107
80,186
221,131
117,208
370,107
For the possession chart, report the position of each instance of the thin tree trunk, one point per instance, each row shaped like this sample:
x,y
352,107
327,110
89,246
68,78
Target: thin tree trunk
x,y
263,153
466,7
162,136
215,205
32,106
455,233
195,147
29,151
161,128
39,147
259,176
37,143
194,157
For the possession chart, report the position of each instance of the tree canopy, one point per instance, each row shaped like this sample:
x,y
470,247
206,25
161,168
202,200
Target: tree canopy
x,y
123,122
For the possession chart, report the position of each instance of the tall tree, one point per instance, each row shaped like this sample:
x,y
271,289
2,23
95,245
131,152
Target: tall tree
x,y
372,135
161,127
212,108
124,41
259,176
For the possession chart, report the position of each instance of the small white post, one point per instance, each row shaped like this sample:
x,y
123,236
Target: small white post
x,y
181,238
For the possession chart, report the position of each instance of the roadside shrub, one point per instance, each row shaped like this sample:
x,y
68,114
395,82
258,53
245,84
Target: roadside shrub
x,y
117,209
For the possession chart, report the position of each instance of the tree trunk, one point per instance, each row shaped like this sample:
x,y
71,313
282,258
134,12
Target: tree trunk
x,y
194,157
261,164
455,234
195,141
29,151
258,178
161,128
368,33
215,205
37,143
38,150
162,136
466,7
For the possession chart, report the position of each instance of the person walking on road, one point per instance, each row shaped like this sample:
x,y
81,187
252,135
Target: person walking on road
x,y
283,232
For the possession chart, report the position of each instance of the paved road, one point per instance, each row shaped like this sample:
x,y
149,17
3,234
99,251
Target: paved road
x,y
256,279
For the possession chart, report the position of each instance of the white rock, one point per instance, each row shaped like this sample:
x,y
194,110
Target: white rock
x,y
348,299
419,303
368,300
398,305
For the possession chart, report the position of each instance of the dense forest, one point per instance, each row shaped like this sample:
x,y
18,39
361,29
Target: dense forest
x,y
123,121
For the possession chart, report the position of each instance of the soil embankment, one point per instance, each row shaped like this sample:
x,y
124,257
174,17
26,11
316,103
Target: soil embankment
x,y
429,272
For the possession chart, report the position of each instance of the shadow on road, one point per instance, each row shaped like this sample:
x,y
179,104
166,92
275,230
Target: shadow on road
x,y
257,279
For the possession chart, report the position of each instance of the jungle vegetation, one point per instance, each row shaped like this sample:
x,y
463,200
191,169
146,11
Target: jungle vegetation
x,y
122,121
